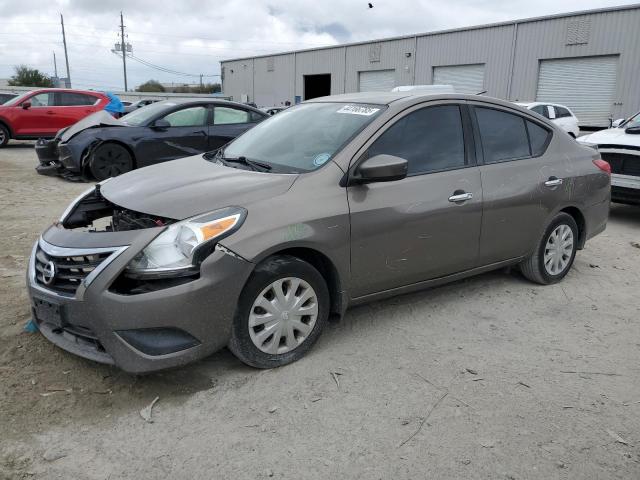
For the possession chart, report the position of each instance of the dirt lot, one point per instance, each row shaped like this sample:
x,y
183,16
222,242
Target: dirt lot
x,y
492,377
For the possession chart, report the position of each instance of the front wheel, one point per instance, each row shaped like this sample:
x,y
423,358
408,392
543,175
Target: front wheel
x,y
554,255
110,160
281,313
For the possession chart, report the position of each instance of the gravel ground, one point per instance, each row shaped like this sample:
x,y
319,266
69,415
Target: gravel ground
x,y
491,377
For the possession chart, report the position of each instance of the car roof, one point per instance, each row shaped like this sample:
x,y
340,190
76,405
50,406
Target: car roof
x,y
212,100
388,98
534,104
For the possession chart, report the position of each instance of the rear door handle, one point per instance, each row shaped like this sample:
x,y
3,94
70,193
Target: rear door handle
x,y
50,112
553,182
460,197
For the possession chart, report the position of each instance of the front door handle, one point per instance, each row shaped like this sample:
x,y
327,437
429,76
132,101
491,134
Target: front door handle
x,y
460,197
553,182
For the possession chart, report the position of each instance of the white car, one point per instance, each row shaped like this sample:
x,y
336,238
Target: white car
x,y
558,114
620,146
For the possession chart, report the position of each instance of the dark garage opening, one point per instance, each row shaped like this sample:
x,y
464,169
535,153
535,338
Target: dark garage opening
x,y
317,86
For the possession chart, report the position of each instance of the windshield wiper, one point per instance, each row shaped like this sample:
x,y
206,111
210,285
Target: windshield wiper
x,y
254,164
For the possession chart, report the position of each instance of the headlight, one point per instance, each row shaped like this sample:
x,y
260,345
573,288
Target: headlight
x,y
176,249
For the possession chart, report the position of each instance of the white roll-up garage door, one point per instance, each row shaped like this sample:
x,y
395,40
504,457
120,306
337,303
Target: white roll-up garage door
x,y
585,85
464,78
376,81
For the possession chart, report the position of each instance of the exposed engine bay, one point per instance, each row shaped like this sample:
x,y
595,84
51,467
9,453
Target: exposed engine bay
x,y
94,213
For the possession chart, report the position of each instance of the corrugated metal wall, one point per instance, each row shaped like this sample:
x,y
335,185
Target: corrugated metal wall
x,y
491,46
610,33
511,53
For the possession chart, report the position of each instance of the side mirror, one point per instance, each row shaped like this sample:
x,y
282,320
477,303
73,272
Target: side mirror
x,y
632,130
160,124
616,123
26,105
381,168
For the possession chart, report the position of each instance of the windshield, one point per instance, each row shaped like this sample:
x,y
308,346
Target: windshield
x,y
142,115
18,99
632,122
304,137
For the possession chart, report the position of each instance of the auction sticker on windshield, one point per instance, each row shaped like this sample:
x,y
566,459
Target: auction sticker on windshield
x,y
358,110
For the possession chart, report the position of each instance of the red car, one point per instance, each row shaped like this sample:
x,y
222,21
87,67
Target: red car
x,y
41,113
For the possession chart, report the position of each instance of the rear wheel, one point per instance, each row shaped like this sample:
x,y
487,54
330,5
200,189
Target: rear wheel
x,y
4,136
555,252
281,313
110,160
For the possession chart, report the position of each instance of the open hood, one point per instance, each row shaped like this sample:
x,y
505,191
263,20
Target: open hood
x,y
97,119
183,188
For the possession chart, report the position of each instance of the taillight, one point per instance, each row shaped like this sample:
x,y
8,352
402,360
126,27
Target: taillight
x,y
602,165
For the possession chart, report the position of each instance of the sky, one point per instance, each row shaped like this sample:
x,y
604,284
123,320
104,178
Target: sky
x,y
191,37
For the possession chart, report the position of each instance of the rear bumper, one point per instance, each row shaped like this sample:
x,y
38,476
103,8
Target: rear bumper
x,y
93,322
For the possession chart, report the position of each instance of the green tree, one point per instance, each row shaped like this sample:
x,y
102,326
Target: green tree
x,y
29,77
150,86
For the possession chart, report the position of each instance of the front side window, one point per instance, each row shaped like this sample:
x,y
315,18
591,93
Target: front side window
x,y
188,117
42,100
430,139
503,135
226,116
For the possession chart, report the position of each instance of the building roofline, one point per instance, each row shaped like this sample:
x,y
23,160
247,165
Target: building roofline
x,y
632,6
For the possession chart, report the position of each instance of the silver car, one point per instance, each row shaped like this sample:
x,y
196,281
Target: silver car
x,y
331,203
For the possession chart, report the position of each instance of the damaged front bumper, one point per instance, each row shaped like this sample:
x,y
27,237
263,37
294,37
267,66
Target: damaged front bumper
x,y
57,158
81,304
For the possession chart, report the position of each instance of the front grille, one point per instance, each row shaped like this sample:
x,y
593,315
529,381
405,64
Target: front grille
x,y
69,271
623,163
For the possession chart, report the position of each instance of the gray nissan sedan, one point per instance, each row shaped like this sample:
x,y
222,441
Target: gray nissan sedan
x,y
331,203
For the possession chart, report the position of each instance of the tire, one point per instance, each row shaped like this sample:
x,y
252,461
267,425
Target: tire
x,y
251,340
4,136
110,160
553,267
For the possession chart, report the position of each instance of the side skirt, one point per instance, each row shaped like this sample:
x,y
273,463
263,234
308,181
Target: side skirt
x,y
435,282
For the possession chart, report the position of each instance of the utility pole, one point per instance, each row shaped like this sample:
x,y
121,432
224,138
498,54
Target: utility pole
x,y
201,86
124,52
66,56
55,65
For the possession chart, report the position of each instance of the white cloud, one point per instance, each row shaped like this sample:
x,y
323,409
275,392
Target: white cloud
x,y
193,36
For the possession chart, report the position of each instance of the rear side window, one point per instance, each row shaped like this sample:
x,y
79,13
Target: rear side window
x,y
542,110
504,135
255,117
430,139
69,99
562,112
226,116
538,136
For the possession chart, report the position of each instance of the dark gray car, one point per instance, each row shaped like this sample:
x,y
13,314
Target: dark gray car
x,y
328,204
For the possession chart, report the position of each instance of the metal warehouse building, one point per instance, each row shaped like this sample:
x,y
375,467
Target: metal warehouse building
x,y
589,61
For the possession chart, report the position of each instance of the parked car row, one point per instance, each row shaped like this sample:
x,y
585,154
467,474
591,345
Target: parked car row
x,y
331,203
101,146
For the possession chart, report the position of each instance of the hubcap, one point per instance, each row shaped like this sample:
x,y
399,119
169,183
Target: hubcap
x,y
283,315
558,250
